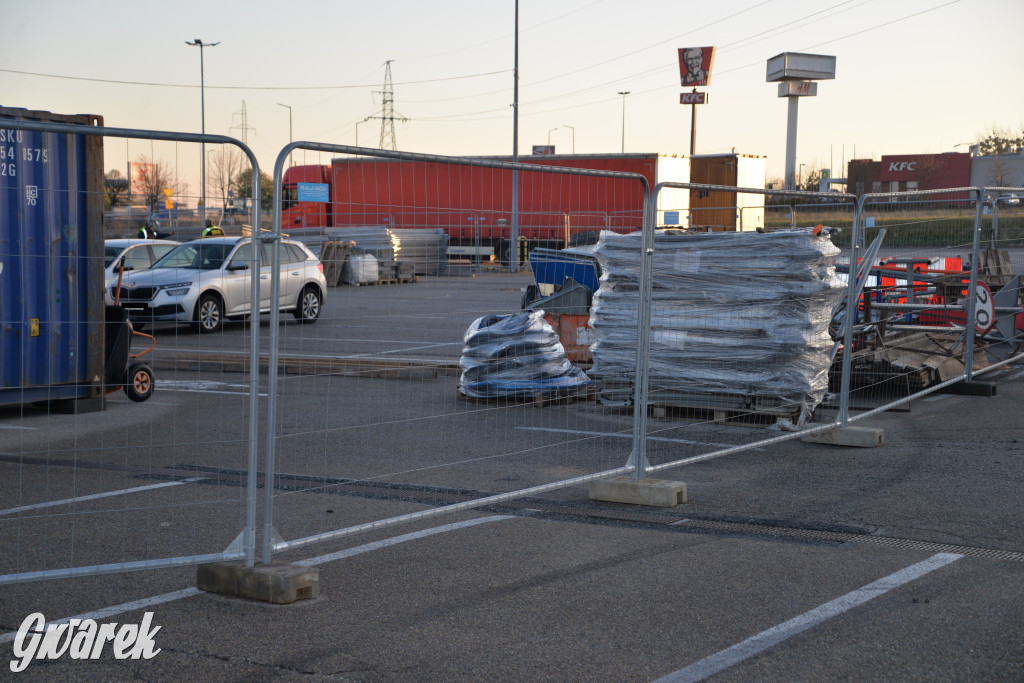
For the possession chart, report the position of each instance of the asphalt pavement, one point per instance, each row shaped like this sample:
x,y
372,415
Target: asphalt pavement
x,y
790,562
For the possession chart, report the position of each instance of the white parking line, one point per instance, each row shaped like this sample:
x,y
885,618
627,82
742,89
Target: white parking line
x,y
108,494
773,636
35,429
107,612
622,435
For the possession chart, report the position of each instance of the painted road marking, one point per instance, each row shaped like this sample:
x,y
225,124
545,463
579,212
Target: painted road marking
x,y
765,640
107,612
201,387
95,496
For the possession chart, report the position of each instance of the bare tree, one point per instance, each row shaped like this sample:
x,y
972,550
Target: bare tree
x,y
225,164
116,189
1000,174
149,180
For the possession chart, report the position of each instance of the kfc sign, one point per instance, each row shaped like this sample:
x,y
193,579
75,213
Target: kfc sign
x,y
901,167
693,98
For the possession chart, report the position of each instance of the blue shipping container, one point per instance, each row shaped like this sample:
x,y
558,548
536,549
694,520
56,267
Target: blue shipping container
x,y
51,262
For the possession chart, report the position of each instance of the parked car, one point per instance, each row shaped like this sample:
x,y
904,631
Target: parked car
x,y
1002,200
208,280
134,255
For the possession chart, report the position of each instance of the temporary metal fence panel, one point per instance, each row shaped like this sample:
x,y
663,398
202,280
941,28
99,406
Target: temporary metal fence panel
x,y
464,385
112,478
736,326
1001,269
907,334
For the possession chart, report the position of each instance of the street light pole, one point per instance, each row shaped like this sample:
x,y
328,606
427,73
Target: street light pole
x,y
289,108
573,129
202,106
549,135
623,93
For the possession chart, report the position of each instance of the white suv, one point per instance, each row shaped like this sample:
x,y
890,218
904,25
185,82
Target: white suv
x,y
208,280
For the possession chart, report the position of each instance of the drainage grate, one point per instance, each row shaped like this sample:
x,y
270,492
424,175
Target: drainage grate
x,y
430,495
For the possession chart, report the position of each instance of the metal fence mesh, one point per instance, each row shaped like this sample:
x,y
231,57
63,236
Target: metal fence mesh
x,y
466,381
99,475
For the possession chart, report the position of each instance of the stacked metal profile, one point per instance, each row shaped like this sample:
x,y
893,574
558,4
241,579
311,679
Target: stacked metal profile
x,y
373,240
739,320
426,249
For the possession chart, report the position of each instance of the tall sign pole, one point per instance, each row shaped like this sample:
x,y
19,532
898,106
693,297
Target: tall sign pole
x,y
796,74
695,69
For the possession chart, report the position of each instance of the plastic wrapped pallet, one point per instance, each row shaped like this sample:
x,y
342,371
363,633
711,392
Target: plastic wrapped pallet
x,y
517,355
359,268
738,319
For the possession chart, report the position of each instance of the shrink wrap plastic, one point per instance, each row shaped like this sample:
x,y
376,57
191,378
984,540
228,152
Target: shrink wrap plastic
x,y
742,317
515,355
359,269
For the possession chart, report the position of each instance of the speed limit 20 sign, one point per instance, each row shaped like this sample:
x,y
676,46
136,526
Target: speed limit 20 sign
x,y
984,309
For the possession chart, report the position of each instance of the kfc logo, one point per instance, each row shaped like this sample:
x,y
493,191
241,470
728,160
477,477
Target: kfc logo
x,y
695,65
898,166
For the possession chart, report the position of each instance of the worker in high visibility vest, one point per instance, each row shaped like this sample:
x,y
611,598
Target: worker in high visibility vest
x,y
211,230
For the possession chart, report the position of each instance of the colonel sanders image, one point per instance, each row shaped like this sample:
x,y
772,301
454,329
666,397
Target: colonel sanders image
x,y
695,65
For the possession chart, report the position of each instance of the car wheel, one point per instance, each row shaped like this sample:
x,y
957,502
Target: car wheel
x,y
308,309
209,313
139,386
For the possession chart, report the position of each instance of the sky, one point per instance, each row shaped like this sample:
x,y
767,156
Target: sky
x,y
912,76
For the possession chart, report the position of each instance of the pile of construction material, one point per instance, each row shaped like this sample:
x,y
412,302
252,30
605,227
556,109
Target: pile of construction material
x,y
739,320
516,356
346,263
426,249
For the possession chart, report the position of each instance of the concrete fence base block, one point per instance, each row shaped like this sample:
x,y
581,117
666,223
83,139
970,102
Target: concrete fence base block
x,y
862,437
277,582
987,389
657,492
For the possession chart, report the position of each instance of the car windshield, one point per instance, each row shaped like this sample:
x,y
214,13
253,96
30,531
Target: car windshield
x,y
109,254
196,255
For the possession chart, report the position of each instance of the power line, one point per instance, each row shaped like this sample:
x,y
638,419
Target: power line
x,y
647,72
246,87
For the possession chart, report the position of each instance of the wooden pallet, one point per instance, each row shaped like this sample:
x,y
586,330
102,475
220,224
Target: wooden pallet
x,y
586,394
723,408
389,281
747,418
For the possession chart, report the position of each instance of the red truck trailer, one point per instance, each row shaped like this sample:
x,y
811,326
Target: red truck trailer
x,y
473,205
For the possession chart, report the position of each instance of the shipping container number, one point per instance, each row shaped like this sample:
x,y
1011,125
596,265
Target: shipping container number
x,y
36,154
9,170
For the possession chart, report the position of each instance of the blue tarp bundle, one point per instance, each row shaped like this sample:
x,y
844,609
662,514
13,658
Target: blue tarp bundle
x,y
516,355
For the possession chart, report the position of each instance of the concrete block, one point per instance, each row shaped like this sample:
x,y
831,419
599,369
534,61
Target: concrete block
x,y
623,489
986,389
862,437
277,582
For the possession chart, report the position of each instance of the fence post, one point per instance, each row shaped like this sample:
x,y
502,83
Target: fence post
x,y
851,313
638,456
972,293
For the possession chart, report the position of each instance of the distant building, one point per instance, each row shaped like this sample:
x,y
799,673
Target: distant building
x,y
998,170
911,173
